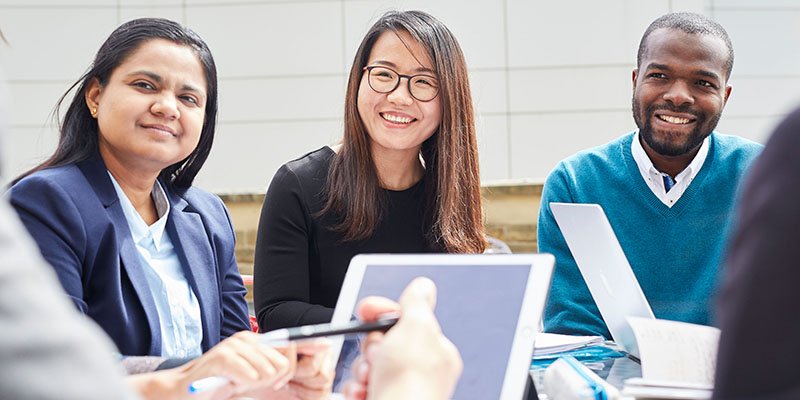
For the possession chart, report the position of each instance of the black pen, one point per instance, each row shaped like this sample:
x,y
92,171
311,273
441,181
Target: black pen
x,y
383,324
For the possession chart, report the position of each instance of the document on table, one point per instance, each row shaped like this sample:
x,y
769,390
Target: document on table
x,y
676,357
551,343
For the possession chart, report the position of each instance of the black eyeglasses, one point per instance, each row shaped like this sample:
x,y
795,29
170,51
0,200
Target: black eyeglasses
x,y
422,87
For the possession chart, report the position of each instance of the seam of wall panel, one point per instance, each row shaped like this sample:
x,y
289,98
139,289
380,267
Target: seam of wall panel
x,y
507,76
344,37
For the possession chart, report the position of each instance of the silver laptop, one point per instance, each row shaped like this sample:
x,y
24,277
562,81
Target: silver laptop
x,y
490,306
604,268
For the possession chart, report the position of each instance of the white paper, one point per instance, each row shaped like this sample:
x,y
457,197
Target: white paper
x,y
676,352
550,343
665,393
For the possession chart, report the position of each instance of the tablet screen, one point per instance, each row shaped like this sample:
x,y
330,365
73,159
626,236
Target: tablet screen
x,y
478,308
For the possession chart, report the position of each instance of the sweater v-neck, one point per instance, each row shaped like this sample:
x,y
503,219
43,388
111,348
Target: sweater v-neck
x,y
650,199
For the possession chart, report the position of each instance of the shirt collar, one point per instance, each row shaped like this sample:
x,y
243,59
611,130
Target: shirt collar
x,y
139,229
646,165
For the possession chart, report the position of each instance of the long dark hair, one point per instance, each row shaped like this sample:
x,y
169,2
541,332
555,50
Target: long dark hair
x,y
79,132
452,183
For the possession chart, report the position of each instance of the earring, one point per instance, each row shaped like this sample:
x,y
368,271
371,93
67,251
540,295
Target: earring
x,y
94,112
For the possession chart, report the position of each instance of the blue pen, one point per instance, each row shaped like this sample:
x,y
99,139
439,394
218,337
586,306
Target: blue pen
x,y
206,384
282,337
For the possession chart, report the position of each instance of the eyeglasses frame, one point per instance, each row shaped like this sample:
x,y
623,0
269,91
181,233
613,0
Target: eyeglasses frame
x,y
368,69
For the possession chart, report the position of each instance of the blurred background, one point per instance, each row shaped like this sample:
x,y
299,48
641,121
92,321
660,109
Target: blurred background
x,y
548,77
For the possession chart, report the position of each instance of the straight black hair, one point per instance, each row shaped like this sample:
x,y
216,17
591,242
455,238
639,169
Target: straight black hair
x,y
78,139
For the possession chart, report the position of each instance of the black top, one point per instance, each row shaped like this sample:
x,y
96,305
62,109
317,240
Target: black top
x,y
759,347
299,262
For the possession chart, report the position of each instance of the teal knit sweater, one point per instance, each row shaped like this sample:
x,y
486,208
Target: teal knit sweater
x,y
674,252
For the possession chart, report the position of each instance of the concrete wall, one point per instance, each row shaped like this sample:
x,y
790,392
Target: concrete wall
x,y
548,77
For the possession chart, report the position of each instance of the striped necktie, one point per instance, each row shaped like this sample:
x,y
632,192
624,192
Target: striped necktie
x,y
668,182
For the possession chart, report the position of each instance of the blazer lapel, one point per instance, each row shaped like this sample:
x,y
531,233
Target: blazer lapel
x,y
187,231
132,263
95,171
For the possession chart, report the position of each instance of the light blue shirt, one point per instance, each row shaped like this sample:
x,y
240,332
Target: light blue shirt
x,y
178,309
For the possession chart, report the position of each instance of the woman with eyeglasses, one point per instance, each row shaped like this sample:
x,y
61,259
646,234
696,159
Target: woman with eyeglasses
x,y
404,178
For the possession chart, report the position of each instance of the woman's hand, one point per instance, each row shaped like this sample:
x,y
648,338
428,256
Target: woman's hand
x,y
313,376
299,370
246,362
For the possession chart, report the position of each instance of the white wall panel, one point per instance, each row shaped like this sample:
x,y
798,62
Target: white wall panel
x,y
308,97
74,4
173,12
32,102
477,25
756,128
297,38
765,42
190,3
763,96
566,32
268,146
538,142
488,91
492,133
30,146
52,43
638,16
696,6
572,88
754,4
150,3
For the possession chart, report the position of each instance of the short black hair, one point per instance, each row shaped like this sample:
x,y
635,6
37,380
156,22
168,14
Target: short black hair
x,y
693,24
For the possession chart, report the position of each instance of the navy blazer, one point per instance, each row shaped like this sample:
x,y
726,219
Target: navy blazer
x,y
74,215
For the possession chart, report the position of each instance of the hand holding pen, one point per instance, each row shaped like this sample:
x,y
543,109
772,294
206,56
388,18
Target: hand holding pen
x,y
245,364
307,376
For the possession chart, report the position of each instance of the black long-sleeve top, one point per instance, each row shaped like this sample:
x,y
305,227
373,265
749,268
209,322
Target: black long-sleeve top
x,y
300,262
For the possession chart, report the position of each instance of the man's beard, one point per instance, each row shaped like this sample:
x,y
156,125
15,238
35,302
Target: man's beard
x,y
703,127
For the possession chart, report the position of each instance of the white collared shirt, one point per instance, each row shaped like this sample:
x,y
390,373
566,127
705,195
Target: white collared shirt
x,y
655,178
178,309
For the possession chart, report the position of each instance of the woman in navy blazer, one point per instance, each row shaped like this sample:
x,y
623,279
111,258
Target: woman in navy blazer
x,y
144,114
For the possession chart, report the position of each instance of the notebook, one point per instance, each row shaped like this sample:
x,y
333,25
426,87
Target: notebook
x,y
604,267
489,306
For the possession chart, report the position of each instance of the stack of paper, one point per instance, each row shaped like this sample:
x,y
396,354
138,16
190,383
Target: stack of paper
x,y
551,343
678,360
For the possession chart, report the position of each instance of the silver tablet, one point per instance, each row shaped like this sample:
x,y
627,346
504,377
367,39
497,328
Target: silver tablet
x,y
489,306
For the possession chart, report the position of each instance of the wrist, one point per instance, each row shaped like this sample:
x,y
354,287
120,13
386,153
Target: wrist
x,y
156,385
408,386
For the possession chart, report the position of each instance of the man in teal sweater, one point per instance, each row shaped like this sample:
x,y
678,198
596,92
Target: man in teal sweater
x,y
667,188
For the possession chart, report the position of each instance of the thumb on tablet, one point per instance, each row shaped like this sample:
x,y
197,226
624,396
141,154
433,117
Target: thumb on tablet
x,y
419,296
372,307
